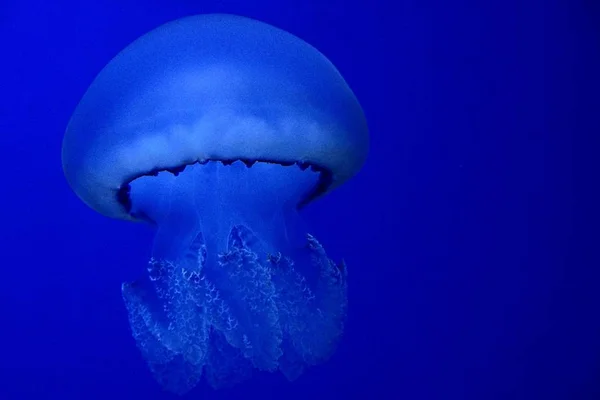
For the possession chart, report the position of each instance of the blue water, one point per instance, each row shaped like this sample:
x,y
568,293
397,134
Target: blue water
x,y
471,270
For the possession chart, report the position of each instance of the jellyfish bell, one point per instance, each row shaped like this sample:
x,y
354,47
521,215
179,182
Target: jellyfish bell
x,y
211,87
217,129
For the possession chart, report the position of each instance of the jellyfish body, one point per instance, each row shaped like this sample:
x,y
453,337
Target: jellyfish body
x,y
217,129
230,263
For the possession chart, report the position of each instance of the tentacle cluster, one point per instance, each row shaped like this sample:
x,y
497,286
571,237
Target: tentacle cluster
x,y
259,312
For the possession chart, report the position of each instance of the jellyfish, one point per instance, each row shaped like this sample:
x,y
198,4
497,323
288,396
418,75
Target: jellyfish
x,y
217,130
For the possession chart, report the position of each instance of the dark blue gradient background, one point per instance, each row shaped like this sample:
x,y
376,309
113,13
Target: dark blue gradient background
x,y
471,234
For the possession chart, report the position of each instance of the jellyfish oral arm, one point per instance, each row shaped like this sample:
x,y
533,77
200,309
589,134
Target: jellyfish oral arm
x,y
234,282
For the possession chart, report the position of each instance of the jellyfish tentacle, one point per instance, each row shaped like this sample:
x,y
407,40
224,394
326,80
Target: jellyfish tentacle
x,y
221,307
226,364
185,322
261,313
174,334
175,372
145,328
331,303
312,319
253,299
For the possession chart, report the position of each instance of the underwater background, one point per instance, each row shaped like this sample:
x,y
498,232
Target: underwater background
x,y
468,235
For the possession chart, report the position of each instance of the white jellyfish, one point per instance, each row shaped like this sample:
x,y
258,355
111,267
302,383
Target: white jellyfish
x,y
217,129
